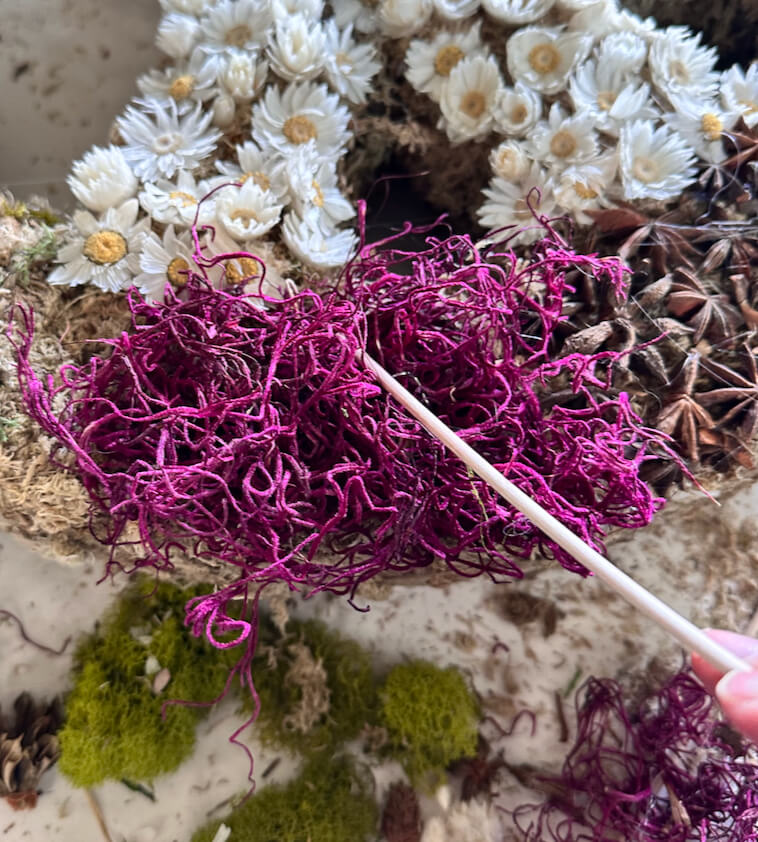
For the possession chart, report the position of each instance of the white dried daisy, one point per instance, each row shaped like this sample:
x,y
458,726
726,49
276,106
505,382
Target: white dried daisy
x,y
104,251
312,183
399,18
246,212
603,18
582,187
510,160
702,124
312,9
543,57
610,96
680,65
469,98
517,12
511,203
241,75
517,110
455,9
186,83
159,142
304,111
177,35
626,51
655,163
739,92
314,242
467,821
254,164
102,179
349,66
236,25
165,260
178,202
562,140
430,63
296,48
355,13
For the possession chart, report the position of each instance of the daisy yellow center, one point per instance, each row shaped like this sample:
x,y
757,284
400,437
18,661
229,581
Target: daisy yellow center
x,y
519,113
318,199
584,191
182,87
187,199
711,126
679,71
507,163
176,272
544,58
299,129
645,169
473,104
258,177
248,268
563,144
521,209
238,36
605,100
447,58
749,105
245,216
104,247
166,143
344,62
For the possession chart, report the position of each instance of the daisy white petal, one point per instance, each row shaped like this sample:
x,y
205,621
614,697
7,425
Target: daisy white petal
x,y
177,35
104,251
431,62
241,75
186,7
606,93
296,48
562,140
739,92
543,57
455,9
510,160
236,25
159,142
102,178
312,183
655,163
312,9
253,164
186,84
626,51
349,66
399,18
246,212
511,203
178,202
518,109
679,64
469,98
304,111
581,187
517,12
318,245
355,13
604,18
702,124
165,260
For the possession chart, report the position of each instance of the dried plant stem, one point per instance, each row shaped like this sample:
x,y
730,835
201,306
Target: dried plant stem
x,y
99,817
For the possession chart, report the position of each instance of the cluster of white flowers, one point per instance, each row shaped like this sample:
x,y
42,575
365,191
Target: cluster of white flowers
x,y
275,64
589,104
583,101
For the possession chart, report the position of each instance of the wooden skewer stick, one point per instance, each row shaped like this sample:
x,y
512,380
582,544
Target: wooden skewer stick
x,y
688,634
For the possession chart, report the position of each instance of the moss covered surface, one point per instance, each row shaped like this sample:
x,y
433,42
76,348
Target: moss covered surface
x,y
114,727
431,718
328,802
353,700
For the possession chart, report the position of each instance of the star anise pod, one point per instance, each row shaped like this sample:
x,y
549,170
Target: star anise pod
x,y
401,818
682,416
28,746
739,390
708,313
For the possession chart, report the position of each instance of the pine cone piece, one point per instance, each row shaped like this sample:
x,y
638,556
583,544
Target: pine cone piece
x,y
28,746
401,818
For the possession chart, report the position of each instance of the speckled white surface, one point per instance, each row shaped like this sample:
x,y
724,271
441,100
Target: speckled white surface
x,y
67,68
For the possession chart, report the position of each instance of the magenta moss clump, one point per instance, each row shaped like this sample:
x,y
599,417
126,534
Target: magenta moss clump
x,y
245,430
669,771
